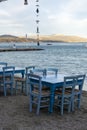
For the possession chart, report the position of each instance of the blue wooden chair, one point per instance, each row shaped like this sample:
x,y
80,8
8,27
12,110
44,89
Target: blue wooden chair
x,y
28,69
79,80
38,71
22,81
8,79
52,71
3,64
37,96
65,97
41,72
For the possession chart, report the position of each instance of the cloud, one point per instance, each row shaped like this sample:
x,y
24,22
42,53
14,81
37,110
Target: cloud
x,y
71,15
76,8
65,16
9,23
4,13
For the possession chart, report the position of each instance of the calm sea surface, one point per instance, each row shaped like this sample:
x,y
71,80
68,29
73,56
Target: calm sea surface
x,y
68,58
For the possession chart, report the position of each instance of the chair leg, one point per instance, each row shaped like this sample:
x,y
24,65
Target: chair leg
x,y
30,103
11,89
72,103
38,106
26,88
61,110
62,106
22,87
16,87
5,90
69,106
79,101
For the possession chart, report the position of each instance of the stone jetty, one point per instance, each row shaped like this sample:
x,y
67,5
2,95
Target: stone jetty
x,y
20,49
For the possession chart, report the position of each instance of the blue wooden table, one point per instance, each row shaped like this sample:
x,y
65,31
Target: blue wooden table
x,y
20,70
17,71
53,82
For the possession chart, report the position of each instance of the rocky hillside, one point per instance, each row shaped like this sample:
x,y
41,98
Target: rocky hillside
x,y
44,38
63,38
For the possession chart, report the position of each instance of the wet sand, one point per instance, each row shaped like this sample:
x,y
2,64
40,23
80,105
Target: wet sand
x,y
15,115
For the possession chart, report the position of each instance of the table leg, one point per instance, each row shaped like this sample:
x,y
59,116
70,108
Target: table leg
x,y
52,90
22,73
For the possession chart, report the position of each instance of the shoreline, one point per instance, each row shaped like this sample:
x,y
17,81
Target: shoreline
x,y
15,115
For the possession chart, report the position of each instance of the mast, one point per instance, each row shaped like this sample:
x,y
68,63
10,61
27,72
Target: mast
x,y
37,22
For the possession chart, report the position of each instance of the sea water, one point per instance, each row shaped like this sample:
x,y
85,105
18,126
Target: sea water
x,y
69,58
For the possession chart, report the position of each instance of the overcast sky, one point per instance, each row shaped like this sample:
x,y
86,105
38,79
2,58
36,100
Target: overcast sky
x,y
68,17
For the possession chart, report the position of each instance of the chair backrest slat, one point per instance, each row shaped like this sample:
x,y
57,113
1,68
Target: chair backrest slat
x,y
3,64
69,82
29,68
52,71
38,71
73,82
35,81
8,72
79,80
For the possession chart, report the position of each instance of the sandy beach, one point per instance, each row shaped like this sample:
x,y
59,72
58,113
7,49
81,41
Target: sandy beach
x,y
15,115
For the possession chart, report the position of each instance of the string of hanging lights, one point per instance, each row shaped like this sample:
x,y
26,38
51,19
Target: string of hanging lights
x,y
2,0
37,19
25,2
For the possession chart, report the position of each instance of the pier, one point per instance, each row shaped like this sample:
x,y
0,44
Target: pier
x,y
20,49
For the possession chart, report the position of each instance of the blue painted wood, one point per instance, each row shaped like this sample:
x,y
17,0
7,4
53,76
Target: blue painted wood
x,y
17,71
65,97
27,71
3,64
8,79
79,80
52,71
36,94
23,80
29,68
39,71
53,83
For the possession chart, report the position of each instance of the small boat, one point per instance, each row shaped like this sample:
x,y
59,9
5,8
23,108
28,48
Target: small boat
x,y
49,44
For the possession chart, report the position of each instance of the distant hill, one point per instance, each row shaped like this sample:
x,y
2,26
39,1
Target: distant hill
x,y
43,38
63,38
11,38
8,36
